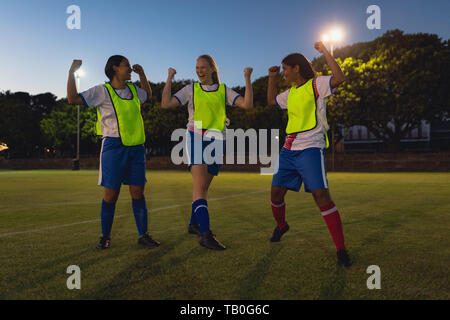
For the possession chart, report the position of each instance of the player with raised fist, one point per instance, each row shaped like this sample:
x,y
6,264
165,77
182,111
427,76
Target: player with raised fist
x,y
122,156
207,101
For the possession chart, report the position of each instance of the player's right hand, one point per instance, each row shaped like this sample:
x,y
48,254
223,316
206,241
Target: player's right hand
x,y
274,71
76,64
172,72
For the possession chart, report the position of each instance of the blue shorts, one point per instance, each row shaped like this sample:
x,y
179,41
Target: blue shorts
x,y
195,149
297,166
120,164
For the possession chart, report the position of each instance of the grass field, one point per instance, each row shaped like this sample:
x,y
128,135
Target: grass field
x,y
398,221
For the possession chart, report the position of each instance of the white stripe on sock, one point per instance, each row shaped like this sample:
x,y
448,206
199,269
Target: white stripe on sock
x,y
278,205
200,206
327,212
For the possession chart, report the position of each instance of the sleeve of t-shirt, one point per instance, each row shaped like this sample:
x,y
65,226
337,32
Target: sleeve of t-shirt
x,y
323,85
231,96
142,94
282,99
184,94
94,96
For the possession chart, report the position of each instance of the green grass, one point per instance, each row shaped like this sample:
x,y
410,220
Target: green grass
x,y
398,221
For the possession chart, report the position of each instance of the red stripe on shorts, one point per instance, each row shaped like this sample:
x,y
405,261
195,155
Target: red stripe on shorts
x,y
289,140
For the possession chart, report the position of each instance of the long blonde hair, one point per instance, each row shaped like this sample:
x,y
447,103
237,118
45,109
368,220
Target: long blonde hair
x,y
212,64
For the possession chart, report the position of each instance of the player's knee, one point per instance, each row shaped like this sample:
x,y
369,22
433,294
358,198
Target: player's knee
x,y
111,195
277,197
321,196
111,198
136,193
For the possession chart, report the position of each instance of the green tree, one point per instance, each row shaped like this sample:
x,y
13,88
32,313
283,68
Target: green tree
x,y
60,129
19,123
397,81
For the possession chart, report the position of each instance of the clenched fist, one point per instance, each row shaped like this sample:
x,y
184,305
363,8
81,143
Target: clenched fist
x,y
76,64
274,71
319,46
248,72
138,69
172,72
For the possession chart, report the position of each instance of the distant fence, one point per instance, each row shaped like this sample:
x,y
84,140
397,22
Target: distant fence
x,y
343,162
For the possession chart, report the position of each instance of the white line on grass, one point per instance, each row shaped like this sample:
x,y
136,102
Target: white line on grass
x,y
123,215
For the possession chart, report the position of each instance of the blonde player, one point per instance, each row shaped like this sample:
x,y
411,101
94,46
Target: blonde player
x,y
207,100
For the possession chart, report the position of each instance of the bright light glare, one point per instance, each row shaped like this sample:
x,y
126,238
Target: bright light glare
x,y
79,74
335,35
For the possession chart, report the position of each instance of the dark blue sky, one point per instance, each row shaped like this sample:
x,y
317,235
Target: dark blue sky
x,y
38,48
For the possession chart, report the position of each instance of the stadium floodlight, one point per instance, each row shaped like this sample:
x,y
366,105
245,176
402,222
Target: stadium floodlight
x,y
3,146
332,37
78,75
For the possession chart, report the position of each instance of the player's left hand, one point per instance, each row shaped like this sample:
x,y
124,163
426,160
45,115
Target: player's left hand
x,y
138,69
319,46
248,72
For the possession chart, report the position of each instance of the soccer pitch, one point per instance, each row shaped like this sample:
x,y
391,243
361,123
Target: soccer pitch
x,y
49,220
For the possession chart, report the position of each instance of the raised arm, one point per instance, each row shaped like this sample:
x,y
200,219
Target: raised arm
x,y
167,101
246,102
272,85
338,75
143,79
72,93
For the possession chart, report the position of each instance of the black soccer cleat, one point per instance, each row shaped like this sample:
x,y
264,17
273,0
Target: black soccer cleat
x,y
277,233
342,258
195,229
208,240
103,243
147,241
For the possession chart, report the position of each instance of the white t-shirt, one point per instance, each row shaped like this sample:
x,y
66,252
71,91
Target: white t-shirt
x,y
314,138
98,96
185,95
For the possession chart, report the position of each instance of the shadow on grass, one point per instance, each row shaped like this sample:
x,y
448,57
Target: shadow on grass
x,y
148,267
333,289
375,238
253,280
45,272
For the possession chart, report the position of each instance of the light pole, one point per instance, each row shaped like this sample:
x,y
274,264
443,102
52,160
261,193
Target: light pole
x,y
334,36
78,76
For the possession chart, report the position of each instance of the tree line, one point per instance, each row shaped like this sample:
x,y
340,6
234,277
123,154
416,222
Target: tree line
x,y
392,83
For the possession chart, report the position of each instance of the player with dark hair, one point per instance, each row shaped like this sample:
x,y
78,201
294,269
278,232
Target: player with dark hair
x,y
302,158
122,156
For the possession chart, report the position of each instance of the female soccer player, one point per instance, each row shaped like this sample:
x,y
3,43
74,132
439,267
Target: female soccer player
x,y
206,100
122,157
302,158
